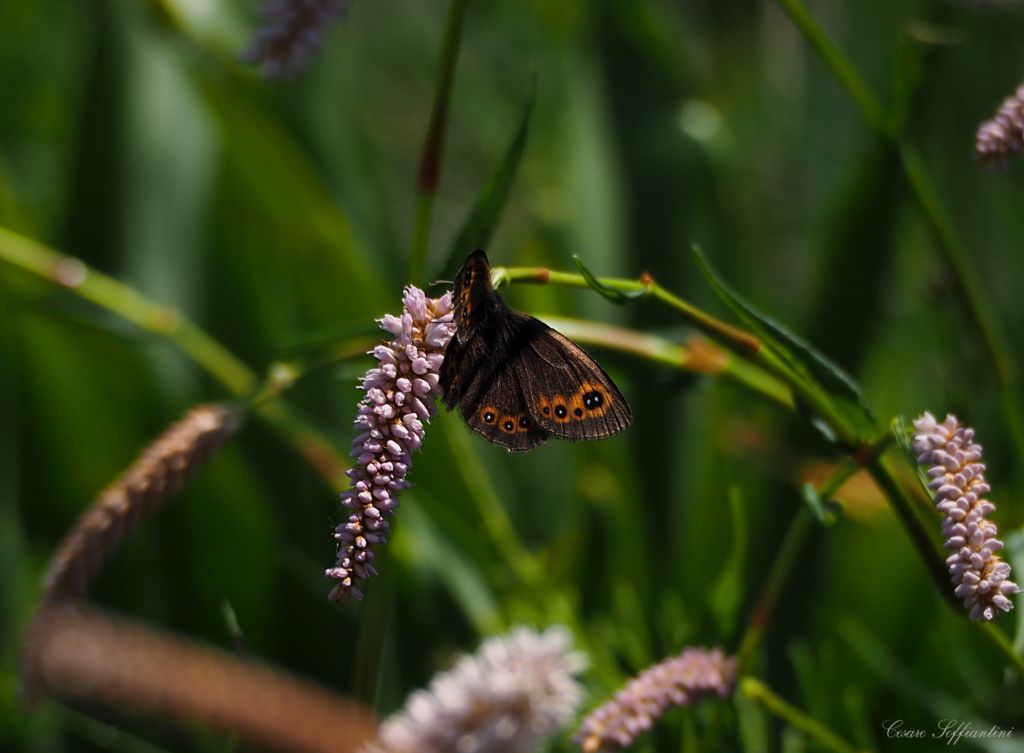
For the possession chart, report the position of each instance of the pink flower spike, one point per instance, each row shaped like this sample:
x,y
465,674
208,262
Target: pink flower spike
x,y
1001,137
390,428
292,34
979,576
679,681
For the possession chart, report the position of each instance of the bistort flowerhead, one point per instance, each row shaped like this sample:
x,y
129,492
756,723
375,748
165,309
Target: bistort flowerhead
x,y
400,396
515,693
1003,136
292,34
679,681
956,477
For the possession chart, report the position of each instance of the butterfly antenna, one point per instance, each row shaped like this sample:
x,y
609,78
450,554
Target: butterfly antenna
x,y
440,282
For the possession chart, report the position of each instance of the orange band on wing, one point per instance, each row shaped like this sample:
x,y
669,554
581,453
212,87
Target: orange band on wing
x,y
591,400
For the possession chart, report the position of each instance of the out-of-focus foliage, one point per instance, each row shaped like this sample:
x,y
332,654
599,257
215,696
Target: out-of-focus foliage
x,y
277,217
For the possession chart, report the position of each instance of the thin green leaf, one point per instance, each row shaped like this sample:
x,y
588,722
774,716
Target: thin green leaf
x,y
827,511
619,297
813,676
811,419
753,724
811,365
1015,554
908,74
426,545
479,227
905,679
728,589
901,433
304,240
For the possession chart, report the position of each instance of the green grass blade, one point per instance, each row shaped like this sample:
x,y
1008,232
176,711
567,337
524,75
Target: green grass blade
x,y
483,219
809,363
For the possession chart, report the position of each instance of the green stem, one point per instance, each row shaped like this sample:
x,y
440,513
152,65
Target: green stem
x,y
493,516
420,236
784,564
954,251
737,340
958,258
837,479
757,691
936,216
843,69
748,346
1005,645
698,356
972,289
40,261
430,160
792,545
881,471
46,264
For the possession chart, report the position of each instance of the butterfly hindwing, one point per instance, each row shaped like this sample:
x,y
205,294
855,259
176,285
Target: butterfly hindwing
x,y
501,415
568,394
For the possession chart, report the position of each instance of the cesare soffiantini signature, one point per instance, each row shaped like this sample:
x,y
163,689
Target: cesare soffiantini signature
x,y
951,731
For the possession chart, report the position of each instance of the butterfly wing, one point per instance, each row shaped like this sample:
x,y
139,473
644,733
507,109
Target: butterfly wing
x,y
489,396
474,297
502,416
515,379
568,393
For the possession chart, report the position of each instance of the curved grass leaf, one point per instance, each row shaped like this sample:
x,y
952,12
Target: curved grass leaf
x,y
619,297
1015,554
811,365
902,433
907,77
428,542
483,220
826,511
304,240
727,591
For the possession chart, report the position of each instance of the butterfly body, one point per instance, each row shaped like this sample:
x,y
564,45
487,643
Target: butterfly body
x,y
515,380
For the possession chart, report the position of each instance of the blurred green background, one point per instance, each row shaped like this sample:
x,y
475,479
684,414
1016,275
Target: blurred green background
x,y
277,217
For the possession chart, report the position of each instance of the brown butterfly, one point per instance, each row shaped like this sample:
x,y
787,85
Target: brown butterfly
x,y
516,380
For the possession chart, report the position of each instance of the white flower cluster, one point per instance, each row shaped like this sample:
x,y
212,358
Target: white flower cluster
x,y
516,692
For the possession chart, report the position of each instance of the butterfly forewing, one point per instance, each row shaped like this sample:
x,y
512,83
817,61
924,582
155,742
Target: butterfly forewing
x,y
568,393
474,297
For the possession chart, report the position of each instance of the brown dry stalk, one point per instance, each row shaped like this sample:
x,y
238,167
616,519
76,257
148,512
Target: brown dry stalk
x,y
78,652
156,476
